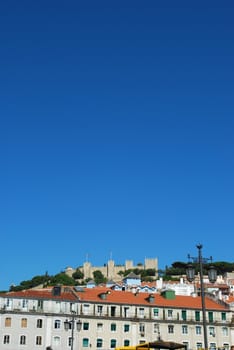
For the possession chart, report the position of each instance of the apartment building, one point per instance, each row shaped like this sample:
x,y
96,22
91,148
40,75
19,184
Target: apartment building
x,y
35,319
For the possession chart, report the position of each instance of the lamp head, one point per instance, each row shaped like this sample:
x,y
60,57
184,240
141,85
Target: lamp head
x,y
190,272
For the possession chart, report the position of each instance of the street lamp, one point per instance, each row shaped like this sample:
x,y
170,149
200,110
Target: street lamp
x,y
212,274
70,324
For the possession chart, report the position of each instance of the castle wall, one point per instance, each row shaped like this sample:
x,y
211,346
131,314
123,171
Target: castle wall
x,y
111,271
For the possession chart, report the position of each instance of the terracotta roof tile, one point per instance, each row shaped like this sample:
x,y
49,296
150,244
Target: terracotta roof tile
x,y
126,297
230,299
42,294
119,297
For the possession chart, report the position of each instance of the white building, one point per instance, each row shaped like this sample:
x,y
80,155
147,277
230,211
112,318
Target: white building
x,y
34,319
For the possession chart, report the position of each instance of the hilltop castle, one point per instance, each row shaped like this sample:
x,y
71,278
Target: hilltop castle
x,y
111,271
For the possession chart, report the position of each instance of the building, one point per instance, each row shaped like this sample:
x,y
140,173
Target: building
x,y
34,319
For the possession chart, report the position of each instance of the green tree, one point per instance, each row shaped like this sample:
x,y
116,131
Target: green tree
x,y
78,275
99,277
34,282
63,279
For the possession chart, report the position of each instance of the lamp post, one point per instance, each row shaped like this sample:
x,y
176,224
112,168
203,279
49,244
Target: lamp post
x,y
70,324
212,274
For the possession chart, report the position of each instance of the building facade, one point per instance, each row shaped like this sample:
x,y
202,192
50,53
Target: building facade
x,y
34,319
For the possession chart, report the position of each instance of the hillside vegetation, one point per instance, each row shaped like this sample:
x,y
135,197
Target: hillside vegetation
x,y
174,272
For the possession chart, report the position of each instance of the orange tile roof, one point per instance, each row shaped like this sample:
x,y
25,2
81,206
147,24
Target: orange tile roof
x,y
118,297
42,294
126,297
230,299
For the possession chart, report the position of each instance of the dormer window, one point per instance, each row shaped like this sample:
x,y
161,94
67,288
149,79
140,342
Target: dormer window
x,y
151,298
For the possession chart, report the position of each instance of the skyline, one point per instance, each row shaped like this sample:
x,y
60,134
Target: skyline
x,y
116,135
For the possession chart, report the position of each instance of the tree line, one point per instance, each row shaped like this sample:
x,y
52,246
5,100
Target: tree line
x,y
173,272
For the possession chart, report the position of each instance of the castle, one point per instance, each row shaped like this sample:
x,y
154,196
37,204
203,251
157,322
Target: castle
x,y
111,271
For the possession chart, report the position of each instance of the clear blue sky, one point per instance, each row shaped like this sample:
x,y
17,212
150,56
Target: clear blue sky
x,y
117,124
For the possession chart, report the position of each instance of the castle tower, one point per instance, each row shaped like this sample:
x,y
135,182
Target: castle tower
x,y
111,269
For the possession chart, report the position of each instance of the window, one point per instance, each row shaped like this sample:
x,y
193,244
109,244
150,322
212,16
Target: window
x,y
38,340
142,328
199,346
197,316
24,303
72,306
85,342
156,328
169,313
184,315
210,316
126,311
223,316
225,331
170,329
184,329
141,312
24,322
6,339
85,326
40,304
113,327
99,327
57,324
99,343
113,311
57,306
68,325
8,303
56,341
113,343
126,328
126,342
22,340
198,330
8,322
212,331
99,310
212,346
39,323
86,309
156,312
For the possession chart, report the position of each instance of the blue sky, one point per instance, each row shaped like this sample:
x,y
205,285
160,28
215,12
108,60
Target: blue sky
x,y
116,136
